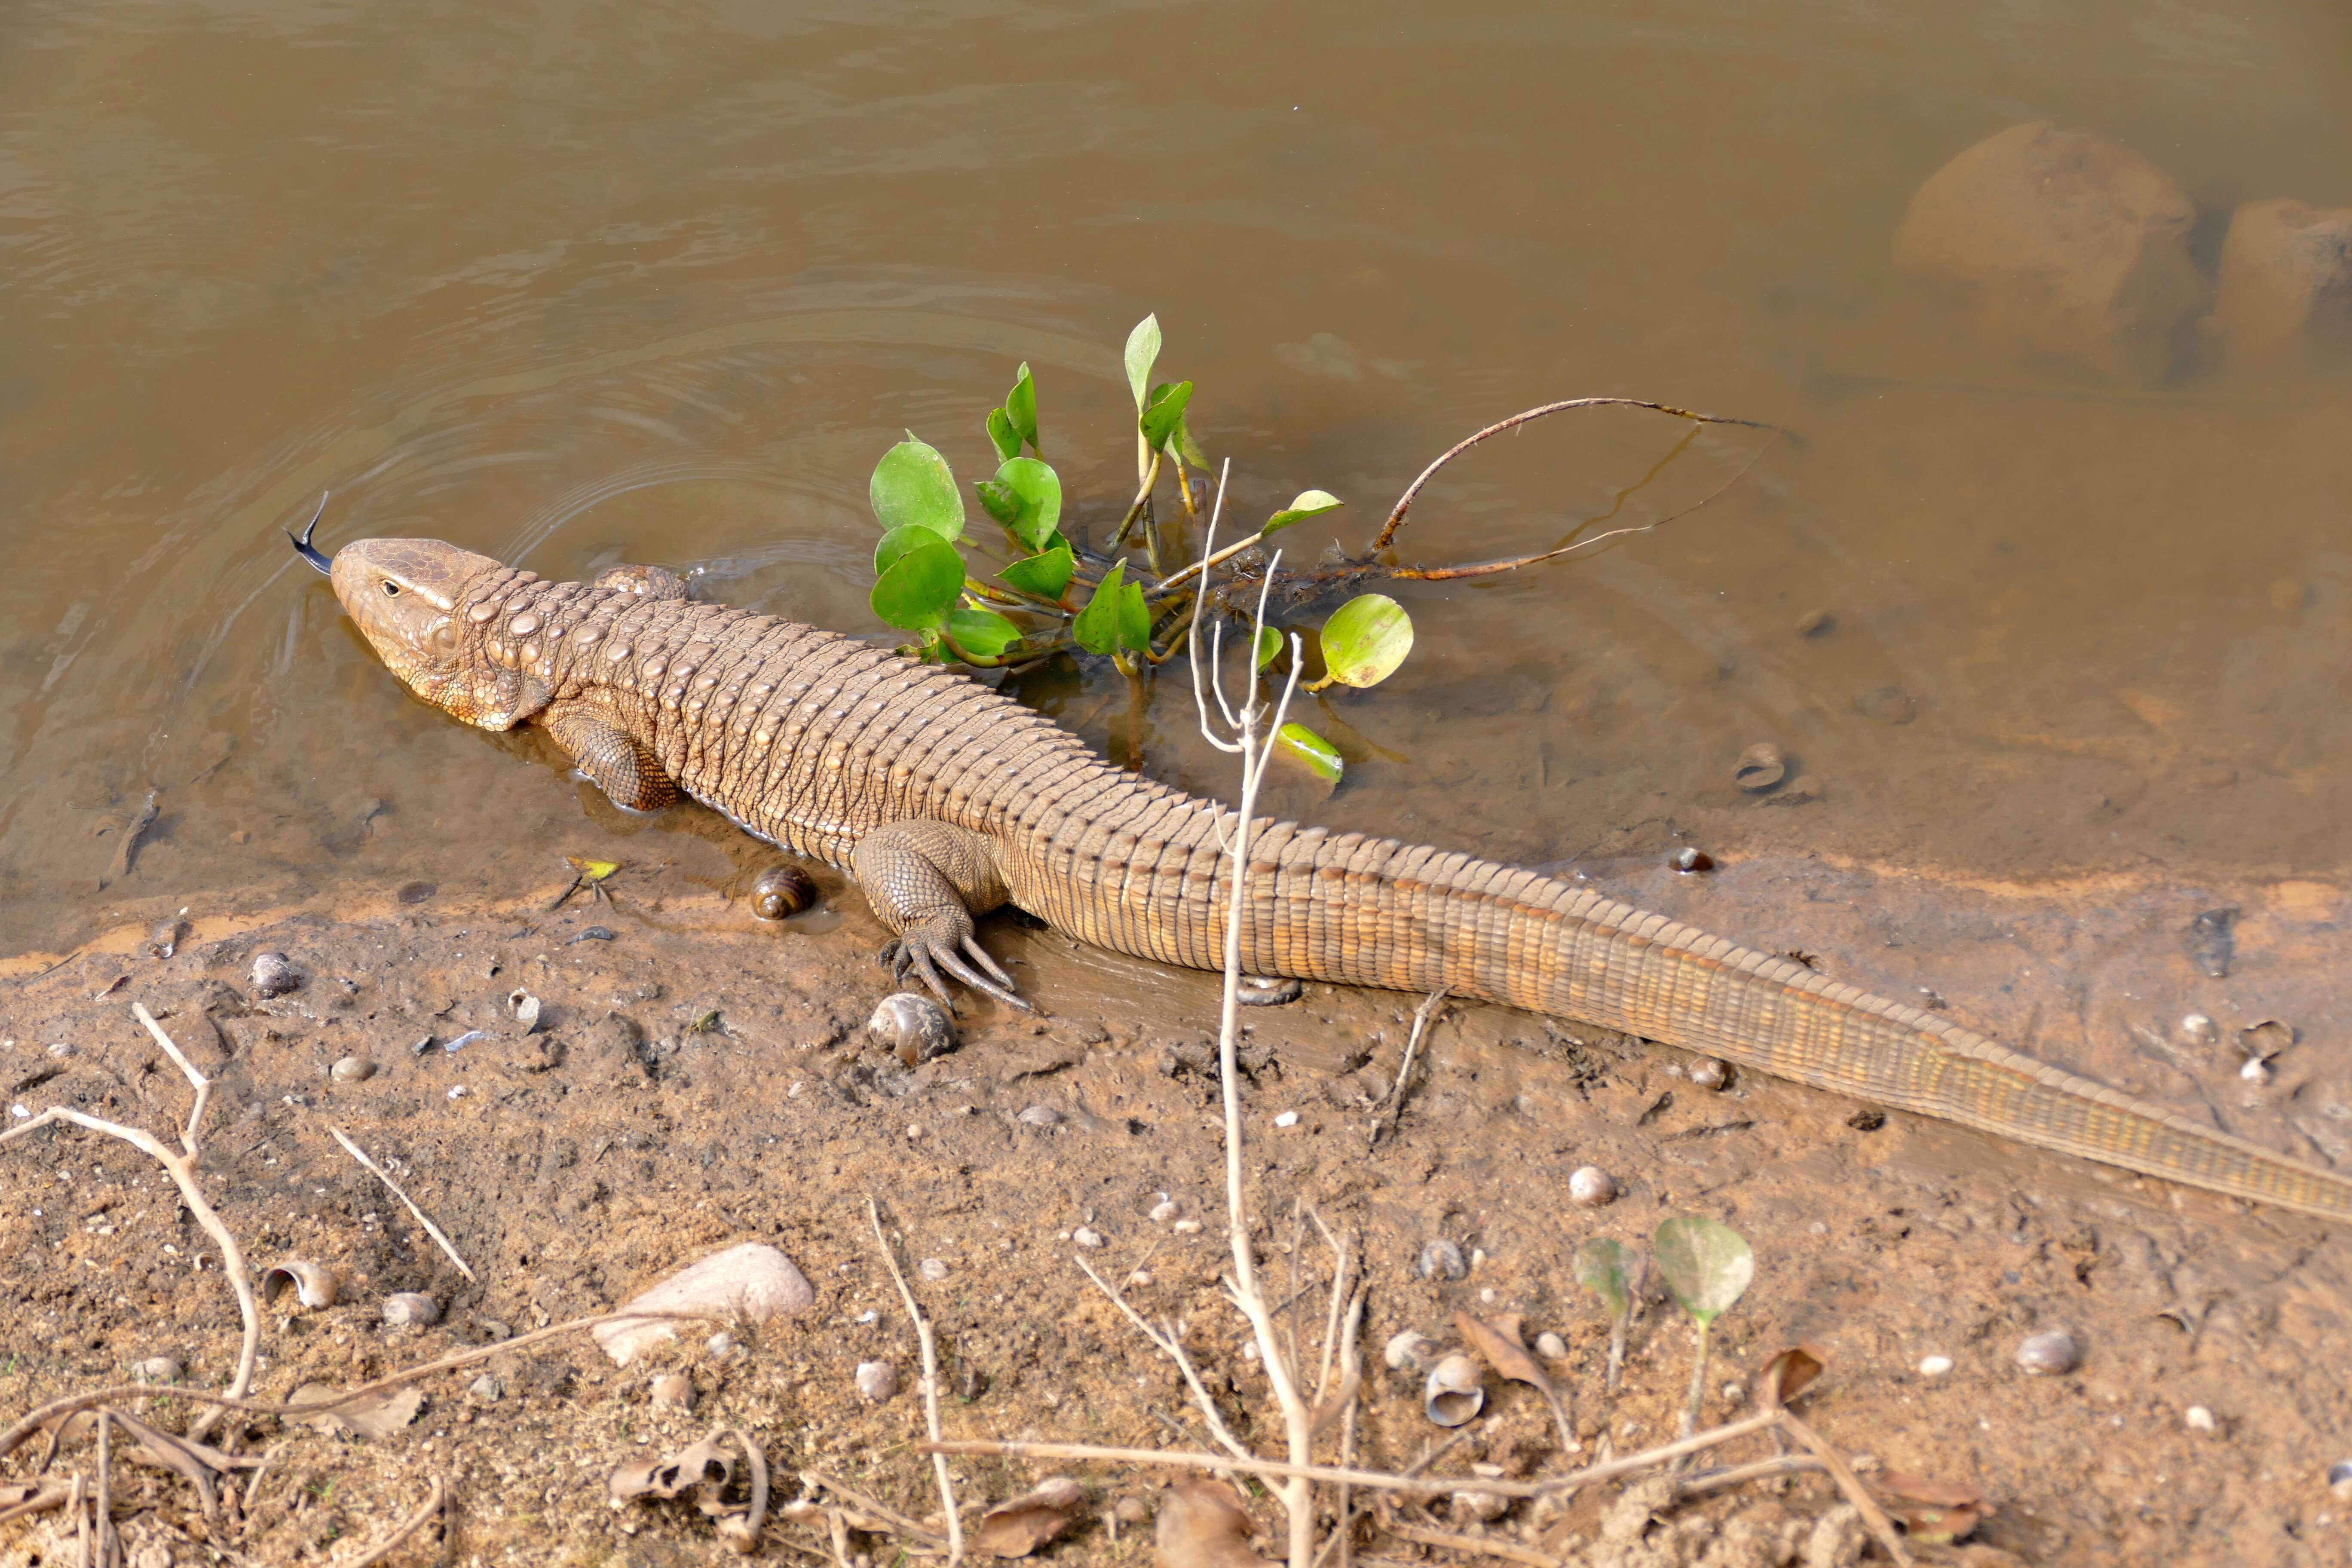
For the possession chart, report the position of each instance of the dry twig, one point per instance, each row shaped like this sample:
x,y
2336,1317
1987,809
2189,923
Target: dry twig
x,y
931,1384
181,1168
1420,1017
1478,1545
403,1529
378,1171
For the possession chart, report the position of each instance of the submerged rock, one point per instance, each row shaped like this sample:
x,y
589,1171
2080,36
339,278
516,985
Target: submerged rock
x,y
2286,288
2064,243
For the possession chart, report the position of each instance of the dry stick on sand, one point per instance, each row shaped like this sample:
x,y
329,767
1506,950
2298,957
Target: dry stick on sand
x,y
1420,1017
378,1171
182,1169
931,1384
403,1529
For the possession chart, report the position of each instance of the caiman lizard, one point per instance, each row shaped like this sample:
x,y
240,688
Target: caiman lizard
x,y
946,800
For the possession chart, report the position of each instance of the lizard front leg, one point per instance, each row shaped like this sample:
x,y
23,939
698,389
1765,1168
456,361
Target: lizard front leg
x,y
927,880
615,760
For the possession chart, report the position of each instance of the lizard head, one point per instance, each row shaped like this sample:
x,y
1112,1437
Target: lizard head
x,y
407,597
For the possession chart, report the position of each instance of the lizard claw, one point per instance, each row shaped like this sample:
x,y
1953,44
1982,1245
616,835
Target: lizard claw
x,y
933,946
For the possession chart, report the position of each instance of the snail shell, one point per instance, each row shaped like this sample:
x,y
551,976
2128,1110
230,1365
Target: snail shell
x,y
1455,1393
274,975
1267,990
313,1285
914,1028
411,1310
782,893
1760,767
1409,1349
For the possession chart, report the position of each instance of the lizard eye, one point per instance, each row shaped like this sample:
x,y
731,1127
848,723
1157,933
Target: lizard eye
x,y
390,589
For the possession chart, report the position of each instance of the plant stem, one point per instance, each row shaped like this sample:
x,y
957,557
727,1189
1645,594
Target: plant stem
x,y
1698,1380
1617,1348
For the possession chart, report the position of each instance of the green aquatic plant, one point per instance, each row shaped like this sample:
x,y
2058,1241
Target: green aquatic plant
x,y
1707,1265
1035,593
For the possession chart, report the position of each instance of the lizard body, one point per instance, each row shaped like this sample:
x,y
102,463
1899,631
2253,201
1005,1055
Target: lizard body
x,y
945,800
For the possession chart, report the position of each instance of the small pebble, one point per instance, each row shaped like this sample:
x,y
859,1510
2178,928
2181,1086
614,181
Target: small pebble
x,y
1266,991
1708,1073
1140,1278
1131,1510
1734,1394
1813,622
1441,1259
1040,1116
931,1268
2256,1071
876,1381
458,1091
1288,1119
493,1330
484,1390
1935,1365
593,933
2052,1355
2198,1418
157,1369
2339,1474
416,892
1186,1228
1689,859
1484,1507
671,1391
1591,1186
1086,1236
2199,1029
1550,1346
353,1069
274,975
1164,1210
720,1343
411,1310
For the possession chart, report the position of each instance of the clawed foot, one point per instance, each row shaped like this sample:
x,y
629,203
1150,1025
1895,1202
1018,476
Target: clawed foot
x,y
936,945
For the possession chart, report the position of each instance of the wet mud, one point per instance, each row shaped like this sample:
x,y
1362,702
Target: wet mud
x,y
699,1079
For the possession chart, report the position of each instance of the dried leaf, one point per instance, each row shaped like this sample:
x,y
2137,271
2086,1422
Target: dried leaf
x,y
704,1465
753,1281
1201,1526
1786,1375
594,870
1503,1352
1019,1527
376,1415
1931,1526
1921,1489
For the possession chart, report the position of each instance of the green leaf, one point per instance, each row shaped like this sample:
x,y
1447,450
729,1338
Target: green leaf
x,y
1188,448
1269,643
1044,575
1003,436
1303,745
913,487
1304,504
1030,494
897,542
1097,627
1134,619
1366,638
1020,408
1605,1267
1707,1264
983,633
1167,408
1142,352
917,591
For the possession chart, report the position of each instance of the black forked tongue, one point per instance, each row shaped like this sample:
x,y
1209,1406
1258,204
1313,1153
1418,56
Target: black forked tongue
x,y
305,548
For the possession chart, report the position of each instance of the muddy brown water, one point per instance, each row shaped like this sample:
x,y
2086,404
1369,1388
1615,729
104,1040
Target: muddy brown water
x,y
579,284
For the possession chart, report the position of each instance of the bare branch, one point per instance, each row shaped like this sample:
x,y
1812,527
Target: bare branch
x,y
1168,1345
404,1529
930,1383
1420,1017
378,1171
1396,516
197,1080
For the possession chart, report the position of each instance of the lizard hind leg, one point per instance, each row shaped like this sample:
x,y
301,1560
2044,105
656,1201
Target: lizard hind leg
x,y
925,880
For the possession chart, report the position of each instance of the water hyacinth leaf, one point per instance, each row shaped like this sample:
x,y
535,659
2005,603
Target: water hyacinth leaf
x,y
997,500
1134,619
982,632
1046,576
913,487
1188,448
1020,408
1304,504
1707,1264
917,591
1142,353
1605,1267
1304,746
1035,491
1366,638
1165,411
897,542
1003,436
1269,643
1096,626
